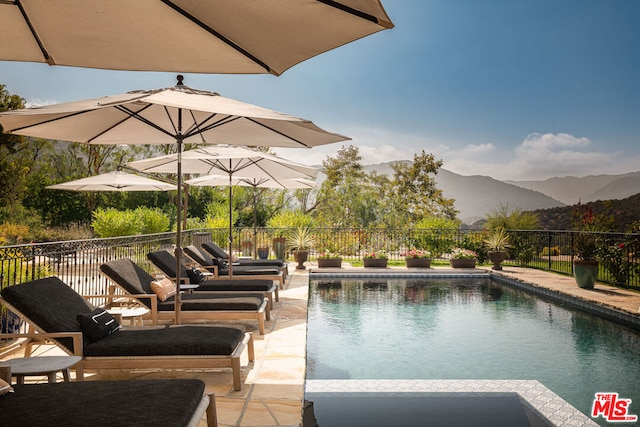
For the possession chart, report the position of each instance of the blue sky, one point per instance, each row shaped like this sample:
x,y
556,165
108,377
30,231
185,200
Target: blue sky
x,y
513,89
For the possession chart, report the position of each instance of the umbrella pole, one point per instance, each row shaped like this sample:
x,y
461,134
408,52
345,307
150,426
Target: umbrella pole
x,y
255,232
230,227
178,250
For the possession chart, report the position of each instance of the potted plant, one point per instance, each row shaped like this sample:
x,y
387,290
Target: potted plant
x,y
497,242
417,258
299,242
326,258
463,258
375,259
585,265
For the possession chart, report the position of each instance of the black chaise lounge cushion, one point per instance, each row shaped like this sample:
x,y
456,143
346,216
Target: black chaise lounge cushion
x,y
53,307
140,403
50,304
167,263
217,252
133,279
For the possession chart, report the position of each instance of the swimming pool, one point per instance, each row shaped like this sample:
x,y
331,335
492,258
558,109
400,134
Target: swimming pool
x,y
466,328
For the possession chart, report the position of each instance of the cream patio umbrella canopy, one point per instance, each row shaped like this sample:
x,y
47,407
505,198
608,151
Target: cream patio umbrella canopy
x,y
172,115
239,163
114,181
189,36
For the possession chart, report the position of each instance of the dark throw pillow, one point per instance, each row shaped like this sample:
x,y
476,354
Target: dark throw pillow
x,y
195,276
98,324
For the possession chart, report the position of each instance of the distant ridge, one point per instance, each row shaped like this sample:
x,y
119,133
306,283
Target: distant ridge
x,y
570,189
476,196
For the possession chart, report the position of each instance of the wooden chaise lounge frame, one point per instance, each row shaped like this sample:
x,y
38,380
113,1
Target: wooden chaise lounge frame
x,y
166,262
136,362
260,315
216,251
270,273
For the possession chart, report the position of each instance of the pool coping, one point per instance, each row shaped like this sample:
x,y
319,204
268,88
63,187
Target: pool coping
x,y
532,393
589,306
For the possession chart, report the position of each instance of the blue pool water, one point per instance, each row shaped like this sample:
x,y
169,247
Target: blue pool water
x,y
467,329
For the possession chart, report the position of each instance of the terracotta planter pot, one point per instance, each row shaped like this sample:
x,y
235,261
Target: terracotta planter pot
x,y
300,257
329,262
375,262
496,258
463,263
585,273
418,262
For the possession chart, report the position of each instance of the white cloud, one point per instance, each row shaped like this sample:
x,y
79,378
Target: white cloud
x,y
541,156
538,156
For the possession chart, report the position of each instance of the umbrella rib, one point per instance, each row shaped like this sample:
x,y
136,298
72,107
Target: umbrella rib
x,y
200,130
136,115
278,132
219,36
48,59
357,13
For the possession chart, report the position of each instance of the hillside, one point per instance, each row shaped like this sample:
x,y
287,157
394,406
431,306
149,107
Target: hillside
x,y
476,196
570,189
623,212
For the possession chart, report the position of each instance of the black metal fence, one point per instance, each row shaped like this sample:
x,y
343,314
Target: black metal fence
x,y
77,262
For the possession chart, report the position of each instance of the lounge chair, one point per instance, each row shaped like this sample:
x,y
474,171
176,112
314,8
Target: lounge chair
x,y
166,402
217,252
52,308
206,262
166,262
131,278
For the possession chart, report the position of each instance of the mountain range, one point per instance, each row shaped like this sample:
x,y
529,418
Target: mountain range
x,y
478,195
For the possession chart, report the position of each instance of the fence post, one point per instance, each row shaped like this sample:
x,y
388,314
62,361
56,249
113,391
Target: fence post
x,y
549,250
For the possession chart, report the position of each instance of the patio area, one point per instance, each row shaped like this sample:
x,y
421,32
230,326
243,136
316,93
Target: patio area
x,y
272,393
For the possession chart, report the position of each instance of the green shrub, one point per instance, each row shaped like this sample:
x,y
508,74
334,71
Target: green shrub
x,y
550,251
217,219
437,235
111,222
153,220
13,234
290,219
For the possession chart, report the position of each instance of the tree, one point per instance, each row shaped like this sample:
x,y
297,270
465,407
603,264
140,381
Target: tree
x,y
14,157
413,193
346,197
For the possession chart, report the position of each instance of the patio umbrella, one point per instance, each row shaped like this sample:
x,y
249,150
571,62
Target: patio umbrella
x,y
283,184
228,160
172,115
114,181
236,37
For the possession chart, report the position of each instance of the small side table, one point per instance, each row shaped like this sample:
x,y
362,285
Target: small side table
x,y
131,313
44,365
188,287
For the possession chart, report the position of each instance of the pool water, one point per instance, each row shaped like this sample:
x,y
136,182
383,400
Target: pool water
x,y
467,329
